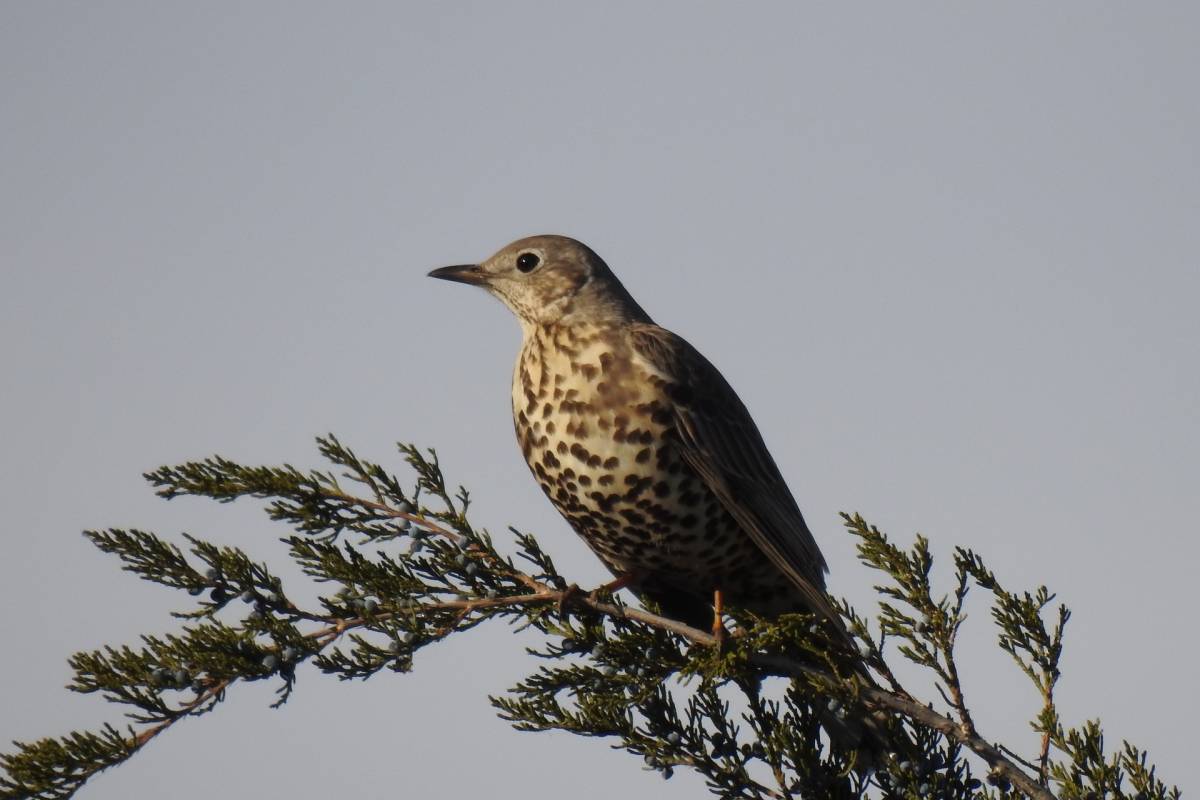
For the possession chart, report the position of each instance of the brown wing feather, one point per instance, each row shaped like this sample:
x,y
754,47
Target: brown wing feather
x,y
720,441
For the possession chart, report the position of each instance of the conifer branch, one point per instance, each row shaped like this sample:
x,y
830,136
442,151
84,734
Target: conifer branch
x,y
664,690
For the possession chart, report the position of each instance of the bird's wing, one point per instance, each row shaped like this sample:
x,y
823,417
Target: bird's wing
x,y
720,441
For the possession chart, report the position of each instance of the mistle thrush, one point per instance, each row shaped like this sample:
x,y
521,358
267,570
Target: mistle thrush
x,y
642,445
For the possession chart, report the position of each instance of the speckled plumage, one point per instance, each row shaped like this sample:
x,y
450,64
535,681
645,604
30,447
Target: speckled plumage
x,y
642,445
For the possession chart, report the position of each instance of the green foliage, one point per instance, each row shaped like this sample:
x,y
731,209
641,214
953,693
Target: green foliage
x,y
783,708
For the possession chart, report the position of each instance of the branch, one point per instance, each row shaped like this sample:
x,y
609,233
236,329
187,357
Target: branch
x,y
778,665
451,578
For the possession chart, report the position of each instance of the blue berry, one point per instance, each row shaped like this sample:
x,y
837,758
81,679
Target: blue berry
x,y
370,605
212,573
667,772
834,704
248,596
610,670
864,649
923,789
270,661
408,637
181,677
673,738
394,646
196,590
289,653
491,594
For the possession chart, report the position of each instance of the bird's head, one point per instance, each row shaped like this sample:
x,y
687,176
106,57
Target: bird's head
x,y
548,280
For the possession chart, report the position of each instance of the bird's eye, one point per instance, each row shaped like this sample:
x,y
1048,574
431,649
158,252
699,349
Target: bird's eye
x,y
526,262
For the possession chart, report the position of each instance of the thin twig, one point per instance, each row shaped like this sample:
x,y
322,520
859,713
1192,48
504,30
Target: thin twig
x,y
1044,755
395,513
954,685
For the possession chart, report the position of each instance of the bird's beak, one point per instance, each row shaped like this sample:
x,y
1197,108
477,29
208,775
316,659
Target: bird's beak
x,y
462,273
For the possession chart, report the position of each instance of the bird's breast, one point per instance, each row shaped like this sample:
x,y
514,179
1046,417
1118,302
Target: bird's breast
x,y
597,429
577,392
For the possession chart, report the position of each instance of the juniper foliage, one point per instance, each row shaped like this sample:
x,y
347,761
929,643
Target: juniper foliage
x,y
405,569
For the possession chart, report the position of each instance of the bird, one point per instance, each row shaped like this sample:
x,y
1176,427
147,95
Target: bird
x,y
644,447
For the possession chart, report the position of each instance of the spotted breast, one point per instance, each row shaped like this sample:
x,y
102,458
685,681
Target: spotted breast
x,y
595,424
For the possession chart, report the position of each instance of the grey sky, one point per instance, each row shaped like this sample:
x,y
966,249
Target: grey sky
x,y
947,254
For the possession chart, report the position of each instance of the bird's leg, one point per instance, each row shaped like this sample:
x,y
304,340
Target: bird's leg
x,y
611,588
718,627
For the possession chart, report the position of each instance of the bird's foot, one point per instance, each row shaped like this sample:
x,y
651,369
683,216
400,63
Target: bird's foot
x,y
568,595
